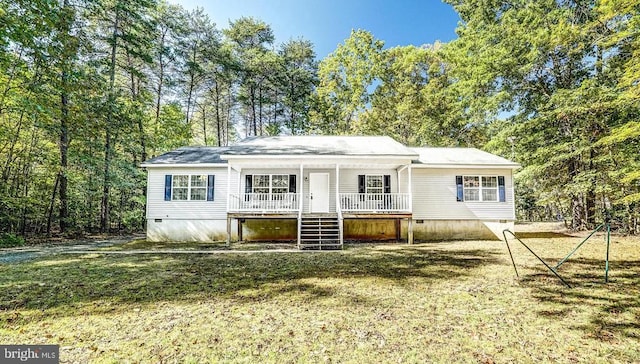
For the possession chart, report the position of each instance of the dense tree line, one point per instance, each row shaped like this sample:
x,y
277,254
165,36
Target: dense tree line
x,y
91,88
552,84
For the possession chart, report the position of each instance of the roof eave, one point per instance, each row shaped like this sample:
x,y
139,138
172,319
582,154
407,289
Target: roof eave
x,y
316,156
183,165
466,166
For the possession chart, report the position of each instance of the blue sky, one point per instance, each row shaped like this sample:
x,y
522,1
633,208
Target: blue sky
x,y
329,22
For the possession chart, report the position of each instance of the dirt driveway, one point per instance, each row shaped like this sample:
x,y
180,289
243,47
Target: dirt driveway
x,y
21,254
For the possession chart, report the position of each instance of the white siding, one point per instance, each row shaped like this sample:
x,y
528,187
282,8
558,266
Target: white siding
x,y
158,208
189,230
434,230
434,196
403,181
349,178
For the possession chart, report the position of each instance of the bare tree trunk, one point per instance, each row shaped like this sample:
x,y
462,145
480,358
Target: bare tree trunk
x,y
160,83
6,171
64,151
229,107
61,179
254,119
260,109
590,196
192,83
204,124
51,205
106,183
577,206
292,125
189,101
217,109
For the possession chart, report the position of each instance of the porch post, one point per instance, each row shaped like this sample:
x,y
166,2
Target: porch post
x,y
339,207
239,179
337,187
228,186
410,222
300,203
410,189
228,203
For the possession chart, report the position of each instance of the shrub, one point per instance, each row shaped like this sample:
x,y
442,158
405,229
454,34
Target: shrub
x,y
8,240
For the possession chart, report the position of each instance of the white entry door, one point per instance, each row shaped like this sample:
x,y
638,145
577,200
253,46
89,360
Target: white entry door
x,y
318,192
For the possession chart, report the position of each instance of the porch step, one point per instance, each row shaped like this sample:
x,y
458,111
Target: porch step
x,y
320,232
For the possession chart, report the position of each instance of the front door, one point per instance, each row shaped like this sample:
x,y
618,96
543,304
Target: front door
x,y
318,192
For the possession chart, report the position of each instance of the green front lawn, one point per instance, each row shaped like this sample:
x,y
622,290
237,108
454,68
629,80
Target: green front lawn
x,y
436,302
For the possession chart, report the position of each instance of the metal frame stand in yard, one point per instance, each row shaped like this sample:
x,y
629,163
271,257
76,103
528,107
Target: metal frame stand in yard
x,y
553,270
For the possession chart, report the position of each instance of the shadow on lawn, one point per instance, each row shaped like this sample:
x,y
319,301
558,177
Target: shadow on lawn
x,y
65,281
614,307
542,235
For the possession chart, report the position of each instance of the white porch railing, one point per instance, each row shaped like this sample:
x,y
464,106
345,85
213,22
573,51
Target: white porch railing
x,y
375,202
264,202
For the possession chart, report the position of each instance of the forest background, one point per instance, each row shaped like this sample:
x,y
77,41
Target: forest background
x,y
91,88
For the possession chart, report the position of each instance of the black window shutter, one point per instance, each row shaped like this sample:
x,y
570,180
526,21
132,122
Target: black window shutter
x,y
459,189
292,183
248,186
387,183
211,181
501,191
167,187
361,183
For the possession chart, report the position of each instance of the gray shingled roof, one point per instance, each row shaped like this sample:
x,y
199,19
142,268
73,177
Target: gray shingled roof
x,y
327,146
189,155
460,156
321,145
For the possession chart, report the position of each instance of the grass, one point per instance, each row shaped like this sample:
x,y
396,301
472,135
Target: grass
x,y
142,244
435,302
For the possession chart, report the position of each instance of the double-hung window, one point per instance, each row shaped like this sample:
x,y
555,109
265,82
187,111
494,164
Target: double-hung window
x,y
480,188
270,183
189,187
269,186
374,187
261,184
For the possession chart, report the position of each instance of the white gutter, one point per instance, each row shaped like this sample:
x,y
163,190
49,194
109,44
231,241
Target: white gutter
x,y
316,156
185,165
470,166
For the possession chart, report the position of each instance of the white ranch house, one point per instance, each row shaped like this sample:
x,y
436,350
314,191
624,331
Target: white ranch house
x,y
321,190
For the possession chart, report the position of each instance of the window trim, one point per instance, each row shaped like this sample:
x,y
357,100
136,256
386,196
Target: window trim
x,y
270,187
189,187
373,195
480,188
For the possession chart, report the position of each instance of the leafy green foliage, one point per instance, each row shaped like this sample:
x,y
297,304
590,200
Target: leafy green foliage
x,y
560,69
346,78
8,240
90,89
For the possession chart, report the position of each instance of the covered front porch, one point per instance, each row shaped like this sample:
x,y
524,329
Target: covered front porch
x,y
319,196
